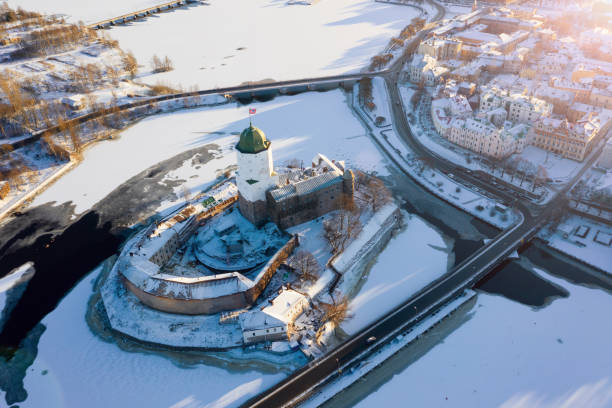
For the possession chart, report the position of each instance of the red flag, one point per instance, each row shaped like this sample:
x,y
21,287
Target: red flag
x,y
252,111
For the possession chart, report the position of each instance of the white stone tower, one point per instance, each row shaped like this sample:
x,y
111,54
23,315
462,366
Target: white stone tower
x,y
255,174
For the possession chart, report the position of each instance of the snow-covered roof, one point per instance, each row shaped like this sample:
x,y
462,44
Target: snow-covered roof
x,y
278,313
306,186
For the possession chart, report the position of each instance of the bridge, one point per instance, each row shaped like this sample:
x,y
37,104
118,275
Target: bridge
x,y
245,91
139,14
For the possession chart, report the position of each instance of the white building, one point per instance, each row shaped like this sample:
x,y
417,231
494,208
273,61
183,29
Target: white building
x,y
425,69
483,137
272,322
521,108
440,49
571,140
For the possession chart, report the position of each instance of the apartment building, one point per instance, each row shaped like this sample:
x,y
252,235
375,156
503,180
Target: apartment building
x,y
571,140
521,108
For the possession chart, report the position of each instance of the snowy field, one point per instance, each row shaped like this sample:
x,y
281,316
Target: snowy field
x,y
510,355
411,260
229,42
298,126
74,368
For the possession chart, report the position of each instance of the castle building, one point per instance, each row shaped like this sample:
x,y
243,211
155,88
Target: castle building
x,y
255,174
290,198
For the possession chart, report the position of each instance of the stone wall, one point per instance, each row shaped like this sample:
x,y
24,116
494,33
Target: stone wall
x,y
267,272
218,304
256,212
189,306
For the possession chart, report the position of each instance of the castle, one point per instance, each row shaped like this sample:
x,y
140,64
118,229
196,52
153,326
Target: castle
x,y
293,196
239,257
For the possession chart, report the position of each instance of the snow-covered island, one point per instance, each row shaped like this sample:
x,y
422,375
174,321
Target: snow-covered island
x,y
259,257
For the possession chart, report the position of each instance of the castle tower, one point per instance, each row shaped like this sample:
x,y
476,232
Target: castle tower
x,y
255,174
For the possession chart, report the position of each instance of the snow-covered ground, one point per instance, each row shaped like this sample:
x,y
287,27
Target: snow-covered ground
x,y
75,368
580,242
511,355
229,42
298,126
86,11
411,260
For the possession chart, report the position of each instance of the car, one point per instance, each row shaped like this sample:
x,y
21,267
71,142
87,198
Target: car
x,y
451,175
371,339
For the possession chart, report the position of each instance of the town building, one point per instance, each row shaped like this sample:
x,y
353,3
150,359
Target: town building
x,y
580,90
521,108
560,100
571,140
424,69
481,136
440,49
601,98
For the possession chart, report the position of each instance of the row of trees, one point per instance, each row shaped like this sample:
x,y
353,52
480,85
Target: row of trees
x,y
380,61
526,170
411,29
365,94
9,15
52,39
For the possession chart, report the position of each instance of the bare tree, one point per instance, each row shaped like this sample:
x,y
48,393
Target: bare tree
x,y
74,138
306,265
340,228
361,179
130,64
336,313
161,65
379,194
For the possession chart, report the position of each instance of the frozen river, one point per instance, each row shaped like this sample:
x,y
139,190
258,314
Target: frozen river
x,y
504,354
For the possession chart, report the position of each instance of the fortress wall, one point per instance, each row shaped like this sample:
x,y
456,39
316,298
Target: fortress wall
x,y
300,209
189,306
268,271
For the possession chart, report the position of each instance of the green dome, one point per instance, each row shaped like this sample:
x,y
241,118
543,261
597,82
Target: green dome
x,y
252,140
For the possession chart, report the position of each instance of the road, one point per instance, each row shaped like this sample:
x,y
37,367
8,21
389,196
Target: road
x,y
249,88
436,294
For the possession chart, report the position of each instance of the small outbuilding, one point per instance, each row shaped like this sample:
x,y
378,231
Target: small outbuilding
x,y
272,322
